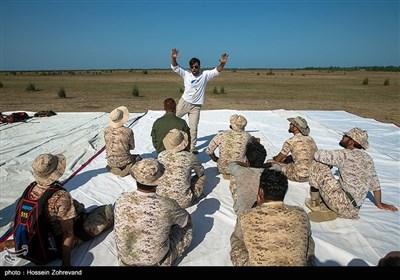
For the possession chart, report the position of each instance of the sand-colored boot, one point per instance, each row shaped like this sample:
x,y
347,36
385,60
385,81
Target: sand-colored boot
x,y
318,217
114,170
314,203
320,212
126,169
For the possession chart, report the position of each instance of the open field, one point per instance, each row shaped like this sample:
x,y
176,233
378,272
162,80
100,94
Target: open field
x,y
102,91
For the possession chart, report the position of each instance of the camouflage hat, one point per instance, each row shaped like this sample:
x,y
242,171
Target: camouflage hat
x,y
301,125
238,122
176,140
147,171
358,135
48,168
118,117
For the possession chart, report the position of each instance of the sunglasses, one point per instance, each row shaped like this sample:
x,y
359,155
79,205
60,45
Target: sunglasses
x,y
194,66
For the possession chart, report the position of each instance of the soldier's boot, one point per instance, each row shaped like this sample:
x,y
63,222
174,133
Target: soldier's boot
x,y
320,212
126,169
114,170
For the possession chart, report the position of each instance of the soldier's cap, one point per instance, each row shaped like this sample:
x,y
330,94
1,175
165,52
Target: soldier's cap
x,y
118,117
238,122
148,171
301,124
176,140
358,135
48,168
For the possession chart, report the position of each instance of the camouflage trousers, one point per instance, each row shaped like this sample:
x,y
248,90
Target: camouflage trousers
x,y
179,241
89,225
117,162
197,186
331,191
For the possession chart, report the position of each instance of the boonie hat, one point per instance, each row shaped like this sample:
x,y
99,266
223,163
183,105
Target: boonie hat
x,y
238,122
147,171
118,117
176,140
301,124
358,135
48,168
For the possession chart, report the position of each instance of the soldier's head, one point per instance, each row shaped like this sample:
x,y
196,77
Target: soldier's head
x,y
298,124
273,186
147,173
170,105
255,154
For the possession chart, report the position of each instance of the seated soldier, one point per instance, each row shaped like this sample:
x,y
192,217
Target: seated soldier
x,y
119,141
178,182
67,219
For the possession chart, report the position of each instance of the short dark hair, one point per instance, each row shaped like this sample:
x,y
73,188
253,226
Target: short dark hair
x,y
193,61
169,105
256,154
391,259
275,185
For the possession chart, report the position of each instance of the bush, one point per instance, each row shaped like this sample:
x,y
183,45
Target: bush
x,y
30,87
365,82
61,93
144,72
135,91
215,90
1,84
222,90
386,82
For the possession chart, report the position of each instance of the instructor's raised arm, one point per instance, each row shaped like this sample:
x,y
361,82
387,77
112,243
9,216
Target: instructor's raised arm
x,y
222,60
174,56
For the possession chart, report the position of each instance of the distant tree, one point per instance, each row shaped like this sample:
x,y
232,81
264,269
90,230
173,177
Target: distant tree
x,y
386,82
365,82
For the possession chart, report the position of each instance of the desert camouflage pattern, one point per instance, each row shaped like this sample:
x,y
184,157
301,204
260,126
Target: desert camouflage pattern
x,y
245,187
150,229
119,142
357,175
302,149
177,183
273,234
232,147
61,206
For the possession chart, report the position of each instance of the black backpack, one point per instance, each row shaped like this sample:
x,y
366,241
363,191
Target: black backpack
x,y
33,238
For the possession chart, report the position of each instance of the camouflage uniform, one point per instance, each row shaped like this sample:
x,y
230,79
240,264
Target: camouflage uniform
x,y
150,229
272,234
357,176
177,183
302,149
244,187
119,142
232,147
61,207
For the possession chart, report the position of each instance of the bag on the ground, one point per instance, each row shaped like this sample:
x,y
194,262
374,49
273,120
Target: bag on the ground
x,y
14,117
32,235
44,114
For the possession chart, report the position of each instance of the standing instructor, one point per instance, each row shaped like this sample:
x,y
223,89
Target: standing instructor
x,y
195,82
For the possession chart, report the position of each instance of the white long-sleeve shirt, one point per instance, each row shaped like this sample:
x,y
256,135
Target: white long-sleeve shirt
x,y
195,86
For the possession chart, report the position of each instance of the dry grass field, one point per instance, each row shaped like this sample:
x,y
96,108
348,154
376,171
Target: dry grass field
x,y
102,91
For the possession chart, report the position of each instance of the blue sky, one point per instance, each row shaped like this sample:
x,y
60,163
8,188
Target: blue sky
x,y
74,35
